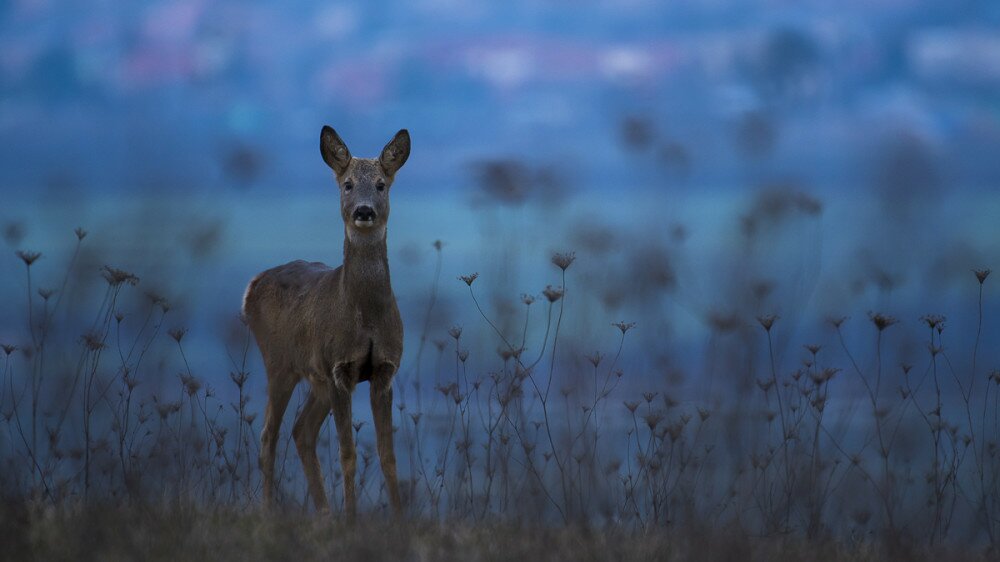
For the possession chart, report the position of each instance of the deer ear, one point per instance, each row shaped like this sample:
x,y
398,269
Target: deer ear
x,y
395,153
334,151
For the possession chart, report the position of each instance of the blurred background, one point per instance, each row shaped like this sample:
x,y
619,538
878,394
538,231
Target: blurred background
x,y
708,161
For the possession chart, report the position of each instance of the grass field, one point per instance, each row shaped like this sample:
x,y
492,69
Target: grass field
x,y
113,445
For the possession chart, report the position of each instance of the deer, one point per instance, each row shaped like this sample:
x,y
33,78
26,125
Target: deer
x,y
335,328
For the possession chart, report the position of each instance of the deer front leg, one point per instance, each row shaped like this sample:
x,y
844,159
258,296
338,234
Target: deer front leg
x,y
340,402
381,397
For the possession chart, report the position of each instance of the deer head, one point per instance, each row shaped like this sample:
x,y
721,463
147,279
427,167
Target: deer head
x,y
364,182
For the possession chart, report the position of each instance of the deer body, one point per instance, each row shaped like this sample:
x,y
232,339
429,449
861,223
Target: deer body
x,y
334,327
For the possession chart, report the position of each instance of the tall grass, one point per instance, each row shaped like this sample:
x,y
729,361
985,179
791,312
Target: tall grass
x,y
528,436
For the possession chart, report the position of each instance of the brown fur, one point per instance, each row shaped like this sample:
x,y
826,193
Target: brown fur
x,y
334,327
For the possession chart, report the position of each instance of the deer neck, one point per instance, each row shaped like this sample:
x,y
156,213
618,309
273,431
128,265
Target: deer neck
x,y
366,264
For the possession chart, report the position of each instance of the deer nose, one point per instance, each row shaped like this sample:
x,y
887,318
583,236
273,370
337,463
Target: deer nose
x,y
364,213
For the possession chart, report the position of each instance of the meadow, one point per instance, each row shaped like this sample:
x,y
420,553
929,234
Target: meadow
x,y
876,438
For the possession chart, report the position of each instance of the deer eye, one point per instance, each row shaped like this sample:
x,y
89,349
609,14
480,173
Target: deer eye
x,y
348,186
380,186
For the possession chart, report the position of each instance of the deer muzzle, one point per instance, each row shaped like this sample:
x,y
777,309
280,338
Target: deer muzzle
x,y
364,216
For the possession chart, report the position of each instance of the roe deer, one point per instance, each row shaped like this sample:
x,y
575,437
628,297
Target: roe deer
x,y
335,327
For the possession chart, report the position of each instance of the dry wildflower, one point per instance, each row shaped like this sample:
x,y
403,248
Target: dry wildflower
x,y
439,344
813,348
933,321
994,376
765,385
670,402
563,261
416,418
463,355
455,332
769,416
505,353
675,430
767,321
631,406
80,233
240,378
119,316
721,322
553,293
648,396
881,321
982,274
703,413
624,326
92,341
249,418
28,257
652,419
46,293
8,349
595,358
116,277
358,425
191,384
934,350
468,279
836,321
527,299
177,334
437,245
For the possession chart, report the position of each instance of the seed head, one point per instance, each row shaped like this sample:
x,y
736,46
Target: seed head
x,y
881,321
933,321
527,299
28,257
767,321
46,293
463,355
437,245
455,332
982,274
8,349
624,326
191,384
631,406
652,420
80,233
116,277
553,293
468,279
595,359
836,321
177,334
563,261
648,396
92,341
813,348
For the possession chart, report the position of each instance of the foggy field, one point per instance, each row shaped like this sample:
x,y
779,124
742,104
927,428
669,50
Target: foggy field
x,y
727,415
683,280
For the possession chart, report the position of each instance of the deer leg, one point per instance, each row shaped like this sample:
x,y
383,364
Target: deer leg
x,y
381,398
305,432
340,401
279,390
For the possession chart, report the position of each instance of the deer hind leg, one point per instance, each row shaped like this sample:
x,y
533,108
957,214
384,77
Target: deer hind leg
x,y
381,398
305,432
280,385
340,402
